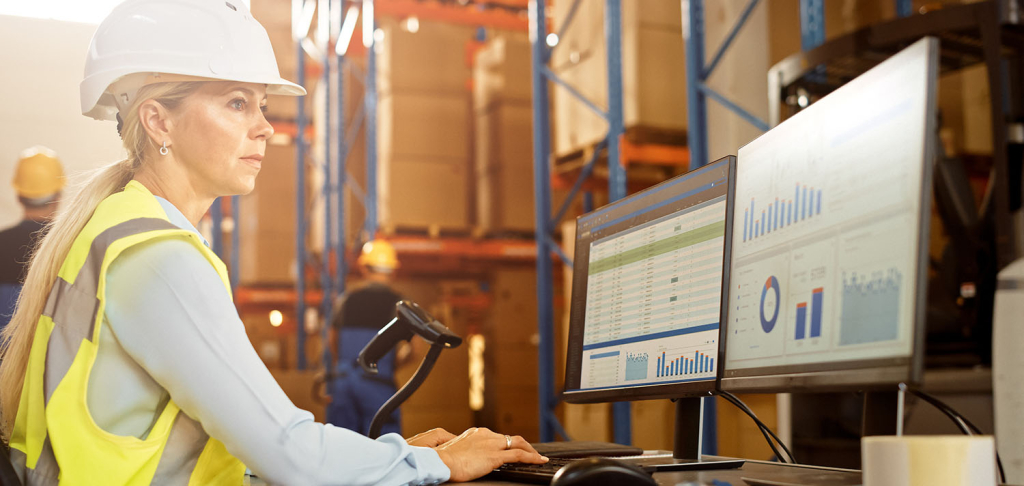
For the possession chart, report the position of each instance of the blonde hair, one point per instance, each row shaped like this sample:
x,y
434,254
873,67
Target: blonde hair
x,y
48,256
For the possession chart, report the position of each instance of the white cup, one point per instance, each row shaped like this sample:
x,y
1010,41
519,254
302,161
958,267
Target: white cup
x,y
953,460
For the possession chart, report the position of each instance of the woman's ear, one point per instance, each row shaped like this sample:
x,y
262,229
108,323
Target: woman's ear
x,y
156,121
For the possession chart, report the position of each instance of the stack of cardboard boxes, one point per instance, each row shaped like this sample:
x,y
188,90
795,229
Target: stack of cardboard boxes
x,y
423,136
653,72
504,120
267,221
510,369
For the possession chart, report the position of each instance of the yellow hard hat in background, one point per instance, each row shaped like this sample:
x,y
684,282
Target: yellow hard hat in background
x,y
379,255
39,174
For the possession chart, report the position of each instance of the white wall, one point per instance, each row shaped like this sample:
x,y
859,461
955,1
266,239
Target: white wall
x,y
41,64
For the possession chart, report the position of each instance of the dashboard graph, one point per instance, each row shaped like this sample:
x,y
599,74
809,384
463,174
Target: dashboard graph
x,y
826,227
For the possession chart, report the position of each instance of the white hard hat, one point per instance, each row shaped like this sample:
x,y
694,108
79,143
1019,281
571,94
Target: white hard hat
x,y
147,41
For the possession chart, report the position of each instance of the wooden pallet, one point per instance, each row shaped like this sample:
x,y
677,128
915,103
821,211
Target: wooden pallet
x,y
566,168
655,135
430,230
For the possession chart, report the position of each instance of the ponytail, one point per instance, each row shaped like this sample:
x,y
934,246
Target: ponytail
x,y
16,338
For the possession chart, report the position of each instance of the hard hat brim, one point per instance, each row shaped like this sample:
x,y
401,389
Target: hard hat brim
x,y
99,104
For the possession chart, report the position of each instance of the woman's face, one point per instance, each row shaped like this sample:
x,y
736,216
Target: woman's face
x,y
220,136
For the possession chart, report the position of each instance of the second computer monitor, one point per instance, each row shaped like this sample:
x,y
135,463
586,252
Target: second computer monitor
x,y
829,237
647,290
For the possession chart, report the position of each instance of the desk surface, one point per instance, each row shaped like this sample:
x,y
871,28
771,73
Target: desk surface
x,y
783,473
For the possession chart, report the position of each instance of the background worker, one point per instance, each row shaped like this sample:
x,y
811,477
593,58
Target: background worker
x,y
126,361
359,314
38,180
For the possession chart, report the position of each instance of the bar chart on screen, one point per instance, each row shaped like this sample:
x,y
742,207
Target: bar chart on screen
x,y
817,300
775,216
690,364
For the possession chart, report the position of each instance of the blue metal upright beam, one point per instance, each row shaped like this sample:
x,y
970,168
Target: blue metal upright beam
x,y
300,212
621,420
542,211
812,24
904,8
216,231
696,103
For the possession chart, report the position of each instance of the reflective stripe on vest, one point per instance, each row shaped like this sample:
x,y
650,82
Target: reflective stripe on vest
x,y
54,436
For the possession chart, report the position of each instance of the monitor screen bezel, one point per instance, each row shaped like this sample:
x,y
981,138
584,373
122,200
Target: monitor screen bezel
x,y
656,391
880,373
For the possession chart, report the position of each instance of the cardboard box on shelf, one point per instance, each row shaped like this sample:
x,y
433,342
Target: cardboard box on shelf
x,y
977,115
424,125
513,314
504,168
267,221
510,370
430,60
501,72
653,71
416,192
650,420
738,436
512,409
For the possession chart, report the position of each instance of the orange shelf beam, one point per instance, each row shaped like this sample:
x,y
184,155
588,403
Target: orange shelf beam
x,y
469,248
291,129
674,155
269,296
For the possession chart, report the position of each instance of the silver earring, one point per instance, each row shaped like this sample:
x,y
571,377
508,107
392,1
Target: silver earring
x,y
163,150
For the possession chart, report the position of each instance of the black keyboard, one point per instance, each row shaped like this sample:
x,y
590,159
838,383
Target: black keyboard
x,y
531,473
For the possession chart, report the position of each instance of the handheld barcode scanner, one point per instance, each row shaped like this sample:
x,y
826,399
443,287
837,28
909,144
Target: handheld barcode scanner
x,y
410,320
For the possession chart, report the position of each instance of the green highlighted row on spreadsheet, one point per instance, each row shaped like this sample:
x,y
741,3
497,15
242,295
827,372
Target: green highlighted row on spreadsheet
x,y
660,247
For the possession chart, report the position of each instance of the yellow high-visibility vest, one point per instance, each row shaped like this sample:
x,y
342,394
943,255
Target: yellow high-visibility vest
x,y
55,439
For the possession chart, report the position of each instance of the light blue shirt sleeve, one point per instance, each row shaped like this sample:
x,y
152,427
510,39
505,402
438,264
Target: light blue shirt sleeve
x,y
172,314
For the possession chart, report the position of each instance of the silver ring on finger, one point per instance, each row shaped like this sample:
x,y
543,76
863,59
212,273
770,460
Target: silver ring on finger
x,y
508,442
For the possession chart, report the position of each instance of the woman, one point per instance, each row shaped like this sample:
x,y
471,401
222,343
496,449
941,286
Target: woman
x,y
125,361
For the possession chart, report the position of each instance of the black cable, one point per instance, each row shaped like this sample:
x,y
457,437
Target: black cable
x,y
767,429
760,427
961,422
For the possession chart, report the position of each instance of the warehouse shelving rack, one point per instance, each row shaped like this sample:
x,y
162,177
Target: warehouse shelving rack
x,y
318,55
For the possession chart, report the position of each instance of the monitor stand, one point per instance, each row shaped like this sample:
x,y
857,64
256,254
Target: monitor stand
x,y
689,435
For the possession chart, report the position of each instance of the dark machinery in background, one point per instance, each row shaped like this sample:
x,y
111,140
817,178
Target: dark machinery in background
x,y
982,240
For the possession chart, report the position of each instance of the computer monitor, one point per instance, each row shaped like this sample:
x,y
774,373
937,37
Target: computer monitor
x,y
826,286
647,292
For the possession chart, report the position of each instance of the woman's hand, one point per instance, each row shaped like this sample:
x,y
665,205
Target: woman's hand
x,y
479,451
431,438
